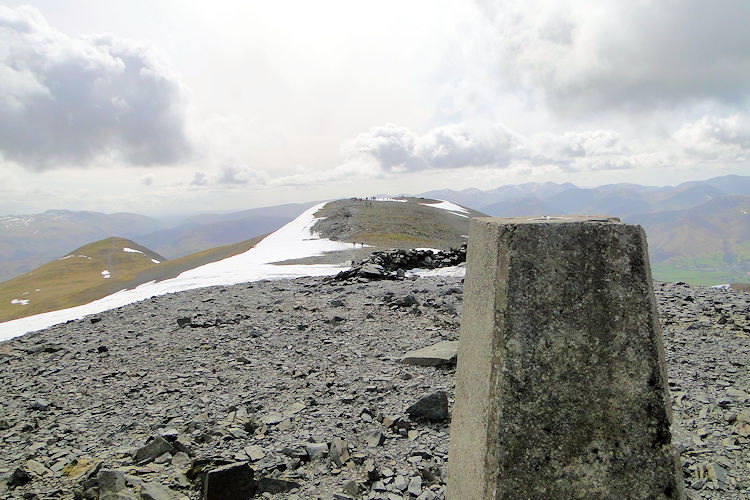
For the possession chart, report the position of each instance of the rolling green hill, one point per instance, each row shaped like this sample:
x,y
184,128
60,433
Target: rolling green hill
x,y
79,277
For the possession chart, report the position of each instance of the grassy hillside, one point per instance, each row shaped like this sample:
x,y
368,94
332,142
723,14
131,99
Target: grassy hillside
x,y
388,224
78,277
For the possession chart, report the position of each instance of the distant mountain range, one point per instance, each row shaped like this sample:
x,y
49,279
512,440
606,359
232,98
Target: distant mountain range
x,y
698,232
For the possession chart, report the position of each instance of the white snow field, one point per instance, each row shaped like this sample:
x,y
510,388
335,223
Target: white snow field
x,y
292,241
450,207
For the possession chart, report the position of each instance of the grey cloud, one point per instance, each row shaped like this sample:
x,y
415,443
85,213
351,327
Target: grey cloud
x,y
716,138
615,54
199,179
239,174
70,100
397,148
148,179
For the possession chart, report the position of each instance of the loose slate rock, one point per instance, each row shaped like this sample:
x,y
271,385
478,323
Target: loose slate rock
x,y
230,482
155,491
275,485
316,450
110,481
154,449
433,407
19,478
442,353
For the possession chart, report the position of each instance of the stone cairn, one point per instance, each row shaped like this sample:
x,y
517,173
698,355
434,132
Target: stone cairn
x,y
561,384
393,264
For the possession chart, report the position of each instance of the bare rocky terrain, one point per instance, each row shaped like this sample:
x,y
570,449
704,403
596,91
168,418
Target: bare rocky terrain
x,y
295,390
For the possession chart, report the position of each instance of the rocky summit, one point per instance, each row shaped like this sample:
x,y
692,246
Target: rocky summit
x,y
298,389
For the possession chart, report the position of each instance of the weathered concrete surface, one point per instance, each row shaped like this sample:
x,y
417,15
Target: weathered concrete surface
x,y
561,388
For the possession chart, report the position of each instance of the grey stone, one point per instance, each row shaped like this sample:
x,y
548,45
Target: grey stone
x,y
180,459
338,451
153,449
40,405
350,488
316,450
426,495
275,485
230,482
155,491
561,387
415,486
442,353
255,452
372,270
110,481
374,438
19,477
400,483
433,407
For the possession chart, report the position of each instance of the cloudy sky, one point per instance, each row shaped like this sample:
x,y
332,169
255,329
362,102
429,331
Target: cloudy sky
x,y
169,106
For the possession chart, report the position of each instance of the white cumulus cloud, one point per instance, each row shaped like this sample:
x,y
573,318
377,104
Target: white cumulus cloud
x,y
716,138
73,100
397,149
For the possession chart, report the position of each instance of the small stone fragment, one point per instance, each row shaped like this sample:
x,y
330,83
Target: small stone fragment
x,y
155,491
316,450
40,405
339,451
415,486
19,478
433,407
275,485
374,438
255,452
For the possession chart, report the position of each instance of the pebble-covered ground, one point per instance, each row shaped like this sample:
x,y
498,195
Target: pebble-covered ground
x,y
301,379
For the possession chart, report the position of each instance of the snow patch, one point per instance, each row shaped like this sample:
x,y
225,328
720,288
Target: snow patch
x,y
155,261
293,241
452,271
391,199
71,255
130,250
23,302
106,274
450,207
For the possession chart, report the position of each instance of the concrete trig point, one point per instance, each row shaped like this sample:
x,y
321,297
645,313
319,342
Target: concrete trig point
x,y
561,387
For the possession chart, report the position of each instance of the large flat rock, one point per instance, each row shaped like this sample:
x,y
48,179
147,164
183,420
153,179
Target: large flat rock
x,y
442,353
